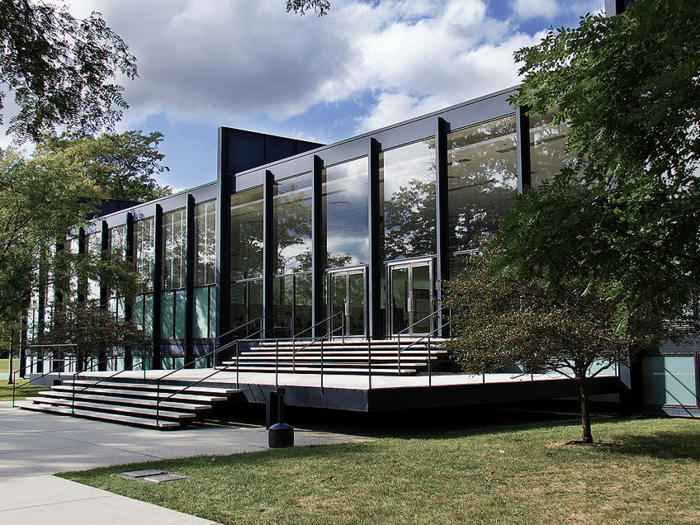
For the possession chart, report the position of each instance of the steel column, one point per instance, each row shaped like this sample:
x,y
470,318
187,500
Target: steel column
x,y
269,252
374,320
522,127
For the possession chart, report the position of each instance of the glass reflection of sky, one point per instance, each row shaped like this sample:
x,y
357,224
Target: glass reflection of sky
x,y
345,197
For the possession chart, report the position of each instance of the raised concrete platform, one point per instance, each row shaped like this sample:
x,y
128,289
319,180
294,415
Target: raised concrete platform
x,y
367,394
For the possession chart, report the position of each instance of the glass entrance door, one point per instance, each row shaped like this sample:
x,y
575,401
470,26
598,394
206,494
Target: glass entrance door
x,y
347,297
411,296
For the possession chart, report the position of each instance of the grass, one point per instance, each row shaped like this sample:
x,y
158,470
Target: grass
x,y
21,393
647,474
5,365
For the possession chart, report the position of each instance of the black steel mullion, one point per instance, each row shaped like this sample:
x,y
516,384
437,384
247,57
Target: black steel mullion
x,y
373,287
226,186
269,251
104,238
442,217
157,285
190,271
522,127
318,247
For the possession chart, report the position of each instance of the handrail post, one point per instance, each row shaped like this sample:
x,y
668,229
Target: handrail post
x,y
398,351
323,392
430,365
369,363
238,364
277,362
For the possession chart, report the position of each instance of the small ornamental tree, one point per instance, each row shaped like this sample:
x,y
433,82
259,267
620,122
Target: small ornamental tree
x,y
501,322
93,329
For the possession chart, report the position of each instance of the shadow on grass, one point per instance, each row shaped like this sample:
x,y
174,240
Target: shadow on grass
x,y
682,444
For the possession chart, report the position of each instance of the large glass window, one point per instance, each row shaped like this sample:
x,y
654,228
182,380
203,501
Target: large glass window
x,y
93,247
345,209
407,200
247,234
482,172
145,256
117,250
669,380
173,296
204,322
144,261
292,232
547,148
205,226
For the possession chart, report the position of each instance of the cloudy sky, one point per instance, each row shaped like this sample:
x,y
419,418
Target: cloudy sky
x,y
249,64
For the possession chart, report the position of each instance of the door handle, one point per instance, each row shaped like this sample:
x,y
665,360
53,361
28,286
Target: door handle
x,y
347,309
410,304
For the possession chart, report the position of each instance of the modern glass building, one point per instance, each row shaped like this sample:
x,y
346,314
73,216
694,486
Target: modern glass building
x,y
292,233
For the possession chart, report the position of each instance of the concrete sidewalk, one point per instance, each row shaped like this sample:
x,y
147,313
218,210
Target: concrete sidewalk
x,y
35,445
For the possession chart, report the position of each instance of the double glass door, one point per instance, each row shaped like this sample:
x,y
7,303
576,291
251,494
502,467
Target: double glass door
x,y
410,296
347,298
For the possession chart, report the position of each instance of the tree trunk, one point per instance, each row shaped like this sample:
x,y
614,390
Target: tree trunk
x,y
586,435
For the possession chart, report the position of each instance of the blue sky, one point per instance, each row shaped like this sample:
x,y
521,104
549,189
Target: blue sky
x,y
249,64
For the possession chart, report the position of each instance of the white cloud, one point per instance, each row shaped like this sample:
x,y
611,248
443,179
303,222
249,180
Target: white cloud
x,y
550,9
235,60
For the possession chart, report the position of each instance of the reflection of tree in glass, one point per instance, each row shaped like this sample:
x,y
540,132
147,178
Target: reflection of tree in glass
x,y
482,179
548,148
247,234
409,221
332,261
293,228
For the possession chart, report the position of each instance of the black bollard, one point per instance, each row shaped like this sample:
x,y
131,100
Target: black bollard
x,y
280,435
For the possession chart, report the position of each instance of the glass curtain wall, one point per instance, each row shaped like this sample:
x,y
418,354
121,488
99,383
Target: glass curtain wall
x,y
144,262
116,303
172,321
246,256
407,177
482,170
292,240
547,149
205,272
117,251
93,247
345,214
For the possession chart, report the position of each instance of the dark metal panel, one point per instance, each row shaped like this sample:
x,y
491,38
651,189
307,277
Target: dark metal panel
x,y
269,250
477,394
82,283
375,268
522,126
318,246
128,314
157,285
441,208
104,292
190,271
225,186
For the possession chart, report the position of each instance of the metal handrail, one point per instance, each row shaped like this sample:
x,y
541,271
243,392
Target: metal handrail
x,y
322,322
428,336
43,374
106,359
432,314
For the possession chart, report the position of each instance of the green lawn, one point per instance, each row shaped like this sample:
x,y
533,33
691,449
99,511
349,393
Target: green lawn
x,y
646,473
22,391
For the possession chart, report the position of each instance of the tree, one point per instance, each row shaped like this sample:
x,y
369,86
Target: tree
x,y
505,322
92,328
320,7
624,219
122,165
60,69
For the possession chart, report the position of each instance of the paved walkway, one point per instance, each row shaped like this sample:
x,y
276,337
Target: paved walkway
x,y
33,446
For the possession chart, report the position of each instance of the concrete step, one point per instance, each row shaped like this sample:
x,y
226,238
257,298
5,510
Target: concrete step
x,y
140,394
114,409
123,400
150,386
102,416
302,369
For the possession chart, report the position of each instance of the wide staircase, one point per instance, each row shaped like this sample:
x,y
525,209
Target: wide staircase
x,y
410,356
164,406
